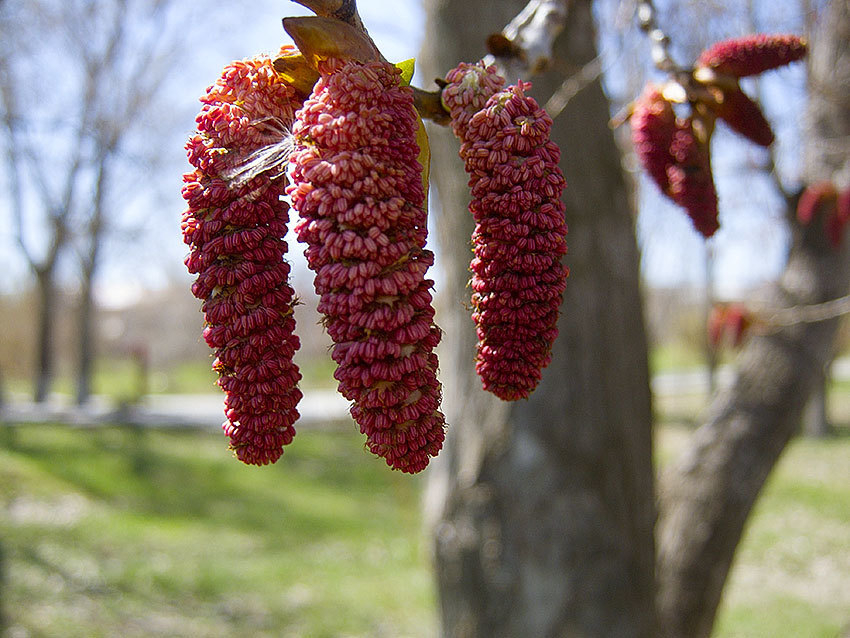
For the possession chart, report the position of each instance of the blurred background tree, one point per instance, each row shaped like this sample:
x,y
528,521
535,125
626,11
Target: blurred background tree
x,y
84,88
544,510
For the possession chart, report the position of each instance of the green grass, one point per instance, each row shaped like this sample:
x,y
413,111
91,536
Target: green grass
x,y
791,575
135,533
120,531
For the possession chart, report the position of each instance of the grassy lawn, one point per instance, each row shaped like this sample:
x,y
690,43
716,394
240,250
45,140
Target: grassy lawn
x,y
791,576
114,532
109,532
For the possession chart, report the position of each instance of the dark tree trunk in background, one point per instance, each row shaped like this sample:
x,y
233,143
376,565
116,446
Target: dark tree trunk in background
x,y
544,509
707,498
86,311
816,423
45,352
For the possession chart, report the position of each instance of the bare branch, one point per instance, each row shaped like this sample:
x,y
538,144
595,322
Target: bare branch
x,y
531,35
523,48
809,314
647,19
572,86
430,107
345,10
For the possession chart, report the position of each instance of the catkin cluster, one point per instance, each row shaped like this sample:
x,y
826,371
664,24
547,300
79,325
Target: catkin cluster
x,y
235,231
357,186
675,150
518,279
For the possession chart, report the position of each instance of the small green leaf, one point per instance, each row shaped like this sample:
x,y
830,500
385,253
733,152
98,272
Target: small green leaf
x,y
406,70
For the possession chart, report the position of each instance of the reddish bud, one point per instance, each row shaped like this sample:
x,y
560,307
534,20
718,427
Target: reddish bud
x,y
520,235
745,117
358,190
653,125
817,196
728,323
753,54
235,232
691,182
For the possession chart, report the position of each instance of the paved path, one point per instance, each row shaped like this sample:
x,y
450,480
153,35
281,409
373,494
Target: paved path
x,y
319,407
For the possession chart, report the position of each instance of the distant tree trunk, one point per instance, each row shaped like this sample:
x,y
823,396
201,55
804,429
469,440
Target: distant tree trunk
x,y
544,508
86,312
85,337
708,496
816,423
45,352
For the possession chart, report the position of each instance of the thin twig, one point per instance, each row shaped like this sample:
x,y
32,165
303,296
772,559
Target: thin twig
x,y
345,10
572,86
531,35
809,314
660,43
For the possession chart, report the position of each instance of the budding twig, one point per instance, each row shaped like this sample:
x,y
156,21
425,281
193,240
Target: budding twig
x,y
660,52
810,314
531,36
345,10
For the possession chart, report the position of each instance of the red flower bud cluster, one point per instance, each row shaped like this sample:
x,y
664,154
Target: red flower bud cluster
x,y
675,158
753,54
520,236
468,87
235,231
728,323
675,151
653,127
357,186
745,117
691,182
740,57
824,199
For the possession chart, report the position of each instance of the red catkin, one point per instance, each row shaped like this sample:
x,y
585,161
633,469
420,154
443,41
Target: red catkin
x,y
815,197
753,54
235,230
691,182
518,279
653,125
728,323
745,117
357,186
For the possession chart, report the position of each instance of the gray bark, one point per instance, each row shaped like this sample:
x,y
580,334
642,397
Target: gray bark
x,y
46,354
708,496
816,423
543,509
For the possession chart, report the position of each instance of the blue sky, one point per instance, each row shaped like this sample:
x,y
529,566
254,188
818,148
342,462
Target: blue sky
x,y
749,248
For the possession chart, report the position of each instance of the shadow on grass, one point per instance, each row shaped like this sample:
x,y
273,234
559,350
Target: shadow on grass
x,y
320,486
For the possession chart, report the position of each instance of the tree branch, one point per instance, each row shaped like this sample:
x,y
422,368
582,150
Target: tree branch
x,y
525,46
345,10
522,49
660,43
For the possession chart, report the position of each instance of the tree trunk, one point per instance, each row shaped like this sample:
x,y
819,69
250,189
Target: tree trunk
x,y
85,334
45,352
543,509
707,498
816,423
95,236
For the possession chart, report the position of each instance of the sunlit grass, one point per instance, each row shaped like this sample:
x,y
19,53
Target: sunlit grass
x,y
791,575
138,533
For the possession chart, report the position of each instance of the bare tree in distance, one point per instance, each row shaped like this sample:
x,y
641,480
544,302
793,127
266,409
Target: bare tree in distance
x,y
80,148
